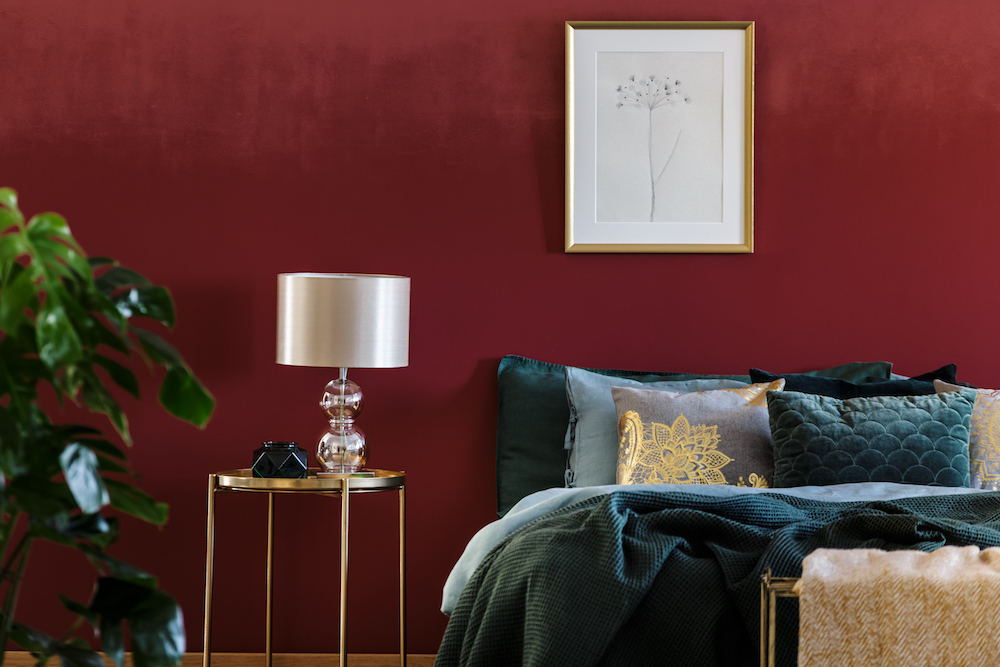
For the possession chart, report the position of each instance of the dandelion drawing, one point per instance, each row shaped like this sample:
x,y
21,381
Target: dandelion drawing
x,y
651,93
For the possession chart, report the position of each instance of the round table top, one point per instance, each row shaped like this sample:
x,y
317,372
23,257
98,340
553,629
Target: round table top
x,y
242,479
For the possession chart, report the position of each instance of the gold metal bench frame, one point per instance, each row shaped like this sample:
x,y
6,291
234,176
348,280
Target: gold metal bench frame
x,y
772,588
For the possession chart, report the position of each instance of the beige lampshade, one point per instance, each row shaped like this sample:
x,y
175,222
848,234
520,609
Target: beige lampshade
x,y
343,320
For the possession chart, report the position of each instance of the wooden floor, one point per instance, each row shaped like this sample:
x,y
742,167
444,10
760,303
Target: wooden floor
x,y
24,659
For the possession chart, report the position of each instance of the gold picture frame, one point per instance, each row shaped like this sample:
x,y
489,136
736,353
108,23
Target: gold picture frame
x,y
696,151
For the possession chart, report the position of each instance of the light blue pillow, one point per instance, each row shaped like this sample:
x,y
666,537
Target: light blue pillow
x,y
592,435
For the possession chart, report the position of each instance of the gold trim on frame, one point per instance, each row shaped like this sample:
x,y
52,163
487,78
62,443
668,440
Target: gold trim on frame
x,y
748,122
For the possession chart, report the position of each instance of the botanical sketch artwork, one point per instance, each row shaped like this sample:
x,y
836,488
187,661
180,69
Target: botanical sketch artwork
x,y
659,137
652,93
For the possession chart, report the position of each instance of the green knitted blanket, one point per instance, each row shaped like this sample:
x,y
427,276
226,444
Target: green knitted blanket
x,y
643,578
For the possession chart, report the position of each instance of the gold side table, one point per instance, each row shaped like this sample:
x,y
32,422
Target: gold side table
x,y
243,481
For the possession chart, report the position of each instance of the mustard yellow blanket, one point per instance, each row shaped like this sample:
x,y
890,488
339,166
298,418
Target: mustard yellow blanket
x,y
873,608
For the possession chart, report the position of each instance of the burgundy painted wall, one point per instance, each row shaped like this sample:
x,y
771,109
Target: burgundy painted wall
x,y
212,144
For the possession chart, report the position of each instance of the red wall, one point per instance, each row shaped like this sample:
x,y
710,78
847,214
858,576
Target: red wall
x,y
212,144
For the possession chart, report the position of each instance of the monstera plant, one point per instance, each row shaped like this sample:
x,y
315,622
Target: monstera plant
x,y
67,329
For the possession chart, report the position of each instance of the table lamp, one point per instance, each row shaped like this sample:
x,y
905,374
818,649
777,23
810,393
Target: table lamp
x,y
343,320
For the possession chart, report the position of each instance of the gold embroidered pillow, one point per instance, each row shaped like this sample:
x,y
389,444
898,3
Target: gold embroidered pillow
x,y
984,436
708,437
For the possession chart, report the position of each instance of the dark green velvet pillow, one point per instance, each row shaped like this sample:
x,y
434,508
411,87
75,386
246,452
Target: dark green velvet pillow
x,y
532,419
819,440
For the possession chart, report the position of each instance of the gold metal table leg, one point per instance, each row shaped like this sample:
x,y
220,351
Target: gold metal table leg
x,y
209,554
345,494
763,620
771,622
402,576
270,579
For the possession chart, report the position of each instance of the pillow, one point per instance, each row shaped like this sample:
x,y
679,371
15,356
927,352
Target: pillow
x,y
947,373
709,437
984,437
838,388
592,436
531,424
855,371
820,440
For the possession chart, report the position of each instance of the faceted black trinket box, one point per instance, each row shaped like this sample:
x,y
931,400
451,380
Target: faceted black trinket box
x,y
280,459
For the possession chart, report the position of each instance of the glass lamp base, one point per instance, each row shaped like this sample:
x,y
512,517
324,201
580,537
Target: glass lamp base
x,y
342,450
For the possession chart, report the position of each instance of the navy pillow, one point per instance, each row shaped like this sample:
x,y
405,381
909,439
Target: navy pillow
x,y
819,440
946,373
837,388
855,371
943,373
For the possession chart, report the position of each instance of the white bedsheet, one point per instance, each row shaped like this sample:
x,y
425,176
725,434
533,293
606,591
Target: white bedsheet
x,y
543,502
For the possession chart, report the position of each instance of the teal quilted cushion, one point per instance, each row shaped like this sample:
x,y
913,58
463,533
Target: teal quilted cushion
x,y
819,440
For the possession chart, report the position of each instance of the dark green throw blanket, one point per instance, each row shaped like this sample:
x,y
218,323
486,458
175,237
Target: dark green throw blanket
x,y
641,578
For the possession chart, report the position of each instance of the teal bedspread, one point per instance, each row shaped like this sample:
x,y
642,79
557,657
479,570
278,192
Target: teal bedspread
x,y
646,578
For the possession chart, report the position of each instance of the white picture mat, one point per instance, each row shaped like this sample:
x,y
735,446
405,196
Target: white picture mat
x,y
586,45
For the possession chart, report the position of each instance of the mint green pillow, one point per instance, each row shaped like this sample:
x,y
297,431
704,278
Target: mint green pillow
x,y
592,435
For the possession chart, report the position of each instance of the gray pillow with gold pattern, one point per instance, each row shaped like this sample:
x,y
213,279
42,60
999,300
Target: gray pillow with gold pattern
x,y
592,436
708,437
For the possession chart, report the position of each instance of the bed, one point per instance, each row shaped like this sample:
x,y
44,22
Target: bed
x,y
638,511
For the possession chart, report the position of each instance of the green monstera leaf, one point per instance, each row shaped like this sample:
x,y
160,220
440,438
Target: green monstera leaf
x,y
72,322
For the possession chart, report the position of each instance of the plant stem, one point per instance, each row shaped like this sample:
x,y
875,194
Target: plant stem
x,y
15,400
6,530
22,544
652,180
670,157
20,554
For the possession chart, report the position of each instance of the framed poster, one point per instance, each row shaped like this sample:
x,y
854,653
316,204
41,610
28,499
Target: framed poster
x,y
659,136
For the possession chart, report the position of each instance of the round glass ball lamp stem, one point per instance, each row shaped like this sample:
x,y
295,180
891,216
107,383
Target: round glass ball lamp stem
x,y
342,448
